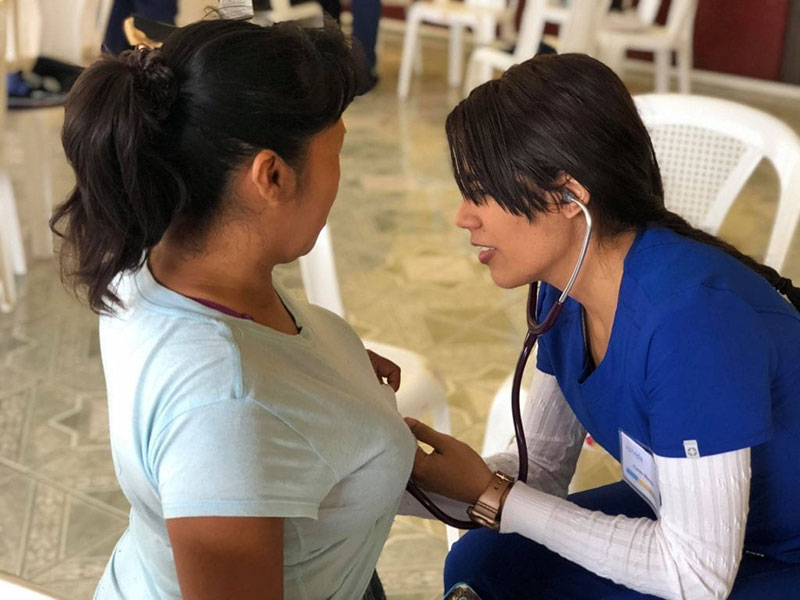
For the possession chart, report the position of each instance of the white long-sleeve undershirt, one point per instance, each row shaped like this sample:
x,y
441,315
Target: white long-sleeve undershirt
x,y
692,551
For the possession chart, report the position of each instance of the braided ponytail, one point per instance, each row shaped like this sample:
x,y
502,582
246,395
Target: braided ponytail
x,y
679,225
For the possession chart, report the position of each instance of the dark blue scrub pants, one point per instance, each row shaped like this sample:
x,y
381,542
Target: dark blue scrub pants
x,y
511,567
159,10
366,14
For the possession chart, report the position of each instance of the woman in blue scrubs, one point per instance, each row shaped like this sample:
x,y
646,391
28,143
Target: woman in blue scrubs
x,y
674,351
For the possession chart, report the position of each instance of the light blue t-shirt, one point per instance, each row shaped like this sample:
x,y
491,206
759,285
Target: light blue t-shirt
x,y
703,350
211,415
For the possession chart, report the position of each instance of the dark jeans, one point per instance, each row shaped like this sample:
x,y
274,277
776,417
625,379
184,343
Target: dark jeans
x,y
375,589
160,10
509,566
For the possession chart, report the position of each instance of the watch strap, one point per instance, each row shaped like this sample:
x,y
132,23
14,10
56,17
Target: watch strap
x,y
486,511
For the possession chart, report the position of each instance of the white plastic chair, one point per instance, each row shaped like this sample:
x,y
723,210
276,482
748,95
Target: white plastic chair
x,y
707,148
632,18
577,24
69,32
309,13
14,588
12,255
72,30
662,40
421,390
481,16
22,36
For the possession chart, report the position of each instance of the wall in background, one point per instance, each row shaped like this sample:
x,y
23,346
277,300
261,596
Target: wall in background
x,y
751,38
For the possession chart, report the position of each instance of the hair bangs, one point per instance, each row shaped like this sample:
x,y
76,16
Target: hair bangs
x,y
479,133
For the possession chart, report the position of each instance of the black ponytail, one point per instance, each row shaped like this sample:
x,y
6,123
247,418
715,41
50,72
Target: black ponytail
x,y
154,135
512,139
126,191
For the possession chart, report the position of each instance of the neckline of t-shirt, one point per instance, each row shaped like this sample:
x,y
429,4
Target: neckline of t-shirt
x,y
161,298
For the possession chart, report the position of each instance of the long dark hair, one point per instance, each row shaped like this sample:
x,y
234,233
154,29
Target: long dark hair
x,y
513,138
154,135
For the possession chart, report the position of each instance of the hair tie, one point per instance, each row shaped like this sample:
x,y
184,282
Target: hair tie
x,y
154,81
783,285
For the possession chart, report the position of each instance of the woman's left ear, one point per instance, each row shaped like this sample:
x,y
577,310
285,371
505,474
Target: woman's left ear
x,y
269,176
573,192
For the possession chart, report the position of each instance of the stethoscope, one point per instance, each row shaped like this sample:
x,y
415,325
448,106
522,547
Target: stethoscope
x,y
534,331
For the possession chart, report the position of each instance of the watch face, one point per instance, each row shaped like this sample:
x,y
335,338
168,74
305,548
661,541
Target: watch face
x,y
461,591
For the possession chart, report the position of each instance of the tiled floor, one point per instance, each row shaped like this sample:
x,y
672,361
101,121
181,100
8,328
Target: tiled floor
x,y
408,276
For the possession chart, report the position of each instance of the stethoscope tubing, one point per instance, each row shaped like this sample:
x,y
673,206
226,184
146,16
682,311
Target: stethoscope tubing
x,y
534,331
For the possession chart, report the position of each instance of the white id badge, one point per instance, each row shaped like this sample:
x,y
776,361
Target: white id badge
x,y
639,470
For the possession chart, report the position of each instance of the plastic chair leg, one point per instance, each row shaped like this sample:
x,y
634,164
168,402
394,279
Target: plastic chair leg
x,y
409,46
10,231
456,54
470,76
8,295
684,58
663,58
452,535
9,236
418,58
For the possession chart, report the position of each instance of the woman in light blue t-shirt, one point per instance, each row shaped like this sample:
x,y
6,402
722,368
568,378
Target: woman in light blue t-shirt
x,y
261,455
678,354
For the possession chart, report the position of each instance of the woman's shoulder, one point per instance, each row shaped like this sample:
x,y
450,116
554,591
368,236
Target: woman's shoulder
x,y
666,272
166,355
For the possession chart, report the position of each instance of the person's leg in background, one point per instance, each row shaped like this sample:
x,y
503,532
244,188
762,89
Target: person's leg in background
x,y
333,8
366,14
158,10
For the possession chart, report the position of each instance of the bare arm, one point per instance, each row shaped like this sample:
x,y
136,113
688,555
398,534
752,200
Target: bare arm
x,y
228,557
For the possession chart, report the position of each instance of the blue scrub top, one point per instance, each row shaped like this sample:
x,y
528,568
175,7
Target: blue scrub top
x,y
702,349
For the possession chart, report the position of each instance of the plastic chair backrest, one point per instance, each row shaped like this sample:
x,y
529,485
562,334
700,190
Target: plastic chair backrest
x,y
498,5
95,23
318,271
283,10
581,26
62,29
14,588
531,29
707,148
647,11
577,32
680,19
